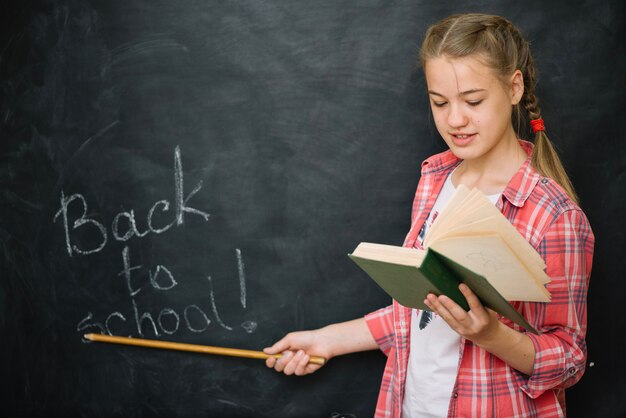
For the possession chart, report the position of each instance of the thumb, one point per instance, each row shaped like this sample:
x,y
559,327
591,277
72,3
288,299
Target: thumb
x,y
278,347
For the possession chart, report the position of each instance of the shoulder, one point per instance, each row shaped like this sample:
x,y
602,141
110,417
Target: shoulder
x,y
529,190
567,216
548,209
550,197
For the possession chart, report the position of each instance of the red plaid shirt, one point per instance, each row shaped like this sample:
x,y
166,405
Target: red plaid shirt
x,y
486,386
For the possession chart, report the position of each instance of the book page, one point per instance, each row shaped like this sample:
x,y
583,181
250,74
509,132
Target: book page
x,y
475,212
453,204
490,256
474,207
390,253
521,248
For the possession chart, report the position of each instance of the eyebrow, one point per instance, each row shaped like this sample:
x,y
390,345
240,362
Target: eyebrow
x,y
463,93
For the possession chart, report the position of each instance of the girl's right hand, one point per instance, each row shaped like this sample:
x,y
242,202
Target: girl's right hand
x,y
328,342
297,348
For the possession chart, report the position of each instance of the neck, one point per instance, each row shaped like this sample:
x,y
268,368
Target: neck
x,y
491,172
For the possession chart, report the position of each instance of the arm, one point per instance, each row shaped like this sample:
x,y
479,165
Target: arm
x,y
330,341
561,351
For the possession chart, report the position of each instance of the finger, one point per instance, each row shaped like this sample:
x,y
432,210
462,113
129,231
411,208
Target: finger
x,y
270,362
290,367
472,300
301,368
438,306
278,347
435,303
283,361
432,302
452,308
311,368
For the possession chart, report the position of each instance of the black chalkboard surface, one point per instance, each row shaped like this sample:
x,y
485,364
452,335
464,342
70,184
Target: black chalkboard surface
x,y
197,172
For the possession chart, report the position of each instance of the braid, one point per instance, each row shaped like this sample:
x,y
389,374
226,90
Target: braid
x,y
544,156
529,100
531,104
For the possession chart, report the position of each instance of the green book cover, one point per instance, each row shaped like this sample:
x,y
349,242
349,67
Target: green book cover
x,y
437,274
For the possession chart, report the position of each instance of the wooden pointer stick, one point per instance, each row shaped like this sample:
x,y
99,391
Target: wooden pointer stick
x,y
196,348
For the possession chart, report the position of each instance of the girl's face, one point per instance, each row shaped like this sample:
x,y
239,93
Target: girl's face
x,y
471,106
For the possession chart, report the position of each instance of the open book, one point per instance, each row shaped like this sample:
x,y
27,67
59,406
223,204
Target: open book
x,y
469,242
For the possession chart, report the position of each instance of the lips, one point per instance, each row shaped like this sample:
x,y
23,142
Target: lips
x,y
461,139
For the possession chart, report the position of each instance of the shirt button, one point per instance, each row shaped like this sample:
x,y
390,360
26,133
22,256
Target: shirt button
x,y
572,370
456,395
544,180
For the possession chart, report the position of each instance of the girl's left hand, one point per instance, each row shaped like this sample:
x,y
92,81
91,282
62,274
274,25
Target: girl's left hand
x,y
479,324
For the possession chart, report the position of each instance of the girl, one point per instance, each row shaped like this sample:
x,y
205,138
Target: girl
x,y
481,78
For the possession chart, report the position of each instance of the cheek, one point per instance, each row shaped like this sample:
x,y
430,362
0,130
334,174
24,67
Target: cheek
x,y
439,118
440,125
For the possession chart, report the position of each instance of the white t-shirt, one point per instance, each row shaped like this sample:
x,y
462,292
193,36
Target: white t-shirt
x,y
434,347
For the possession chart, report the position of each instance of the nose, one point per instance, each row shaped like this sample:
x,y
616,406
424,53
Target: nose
x,y
456,116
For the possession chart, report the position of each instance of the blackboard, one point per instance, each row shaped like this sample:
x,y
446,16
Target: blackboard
x,y
198,171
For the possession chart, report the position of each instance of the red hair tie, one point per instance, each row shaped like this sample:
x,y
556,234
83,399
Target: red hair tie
x,y
537,125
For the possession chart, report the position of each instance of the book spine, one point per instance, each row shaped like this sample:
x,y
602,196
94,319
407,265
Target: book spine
x,y
445,279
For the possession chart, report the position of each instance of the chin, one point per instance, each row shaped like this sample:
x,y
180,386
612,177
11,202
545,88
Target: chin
x,y
464,153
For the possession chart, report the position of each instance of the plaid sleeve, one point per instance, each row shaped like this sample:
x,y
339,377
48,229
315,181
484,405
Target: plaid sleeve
x,y
560,350
380,324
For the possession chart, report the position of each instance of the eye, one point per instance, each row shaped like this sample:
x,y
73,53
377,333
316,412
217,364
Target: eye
x,y
474,102
439,104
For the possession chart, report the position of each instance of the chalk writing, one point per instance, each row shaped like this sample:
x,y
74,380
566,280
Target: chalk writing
x,y
181,208
153,278
242,279
84,235
78,223
168,320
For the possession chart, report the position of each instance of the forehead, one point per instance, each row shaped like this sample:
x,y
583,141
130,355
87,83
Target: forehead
x,y
448,76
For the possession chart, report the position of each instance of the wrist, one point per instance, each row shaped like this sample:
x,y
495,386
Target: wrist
x,y
497,336
326,339
513,347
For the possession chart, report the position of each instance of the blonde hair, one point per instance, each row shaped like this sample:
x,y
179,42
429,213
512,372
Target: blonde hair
x,y
497,43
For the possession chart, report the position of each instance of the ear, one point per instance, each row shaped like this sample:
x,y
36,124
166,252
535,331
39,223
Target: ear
x,y
517,87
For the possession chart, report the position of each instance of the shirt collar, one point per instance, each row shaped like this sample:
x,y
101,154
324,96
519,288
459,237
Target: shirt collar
x,y
524,181
516,191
